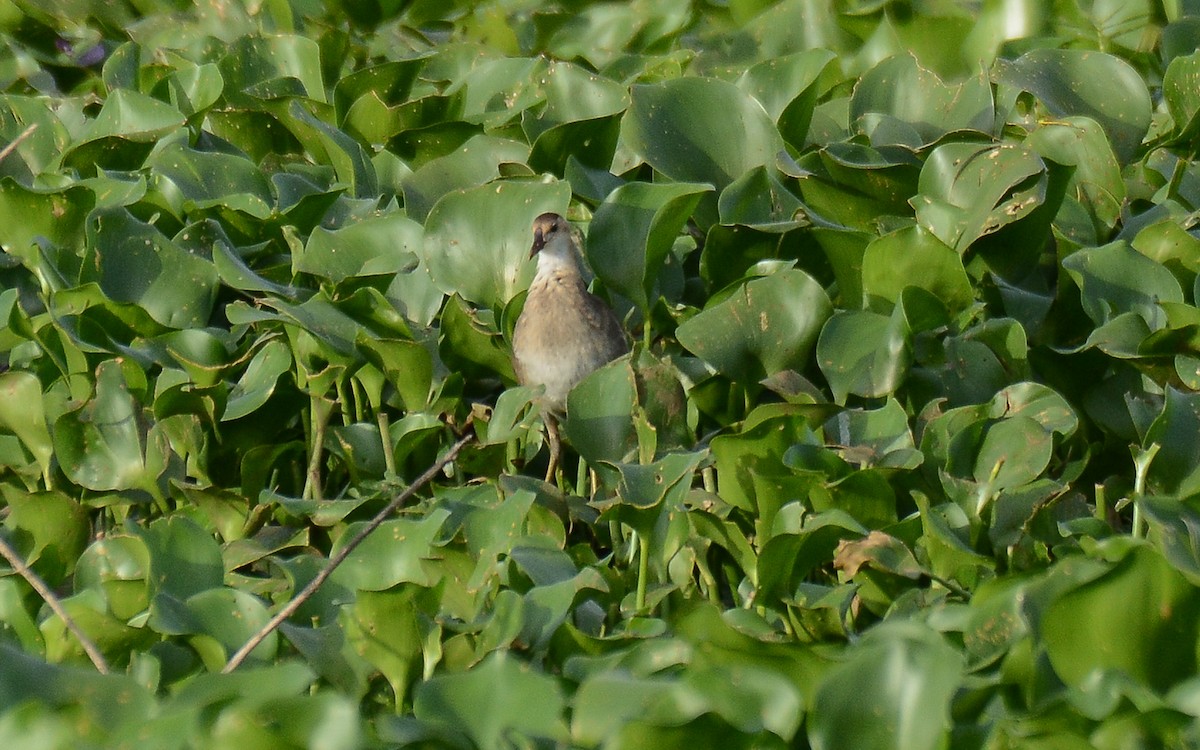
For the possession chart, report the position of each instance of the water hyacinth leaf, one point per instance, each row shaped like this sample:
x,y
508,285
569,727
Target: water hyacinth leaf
x,y
750,463
700,130
257,383
134,262
968,190
632,232
1141,618
477,241
382,245
600,412
768,325
893,691
1116,279
229,617
476,162
123,132
1092,84
914,257
385,629
864,353
407,365
100,444
1014,452
253,63
1175,469
644,491
1081,143
50,528
1181,92
580,119
788,559
787,87
58,216
498,697
900,103
396,552
211,179
23,414
184,559
874,437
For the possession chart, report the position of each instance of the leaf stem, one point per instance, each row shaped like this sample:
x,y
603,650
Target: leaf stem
x,y
643,571
1141,467
389,457
337,559
55,604
319,411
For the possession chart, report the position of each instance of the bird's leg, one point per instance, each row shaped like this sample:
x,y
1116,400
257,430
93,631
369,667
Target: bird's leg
x,y
555,446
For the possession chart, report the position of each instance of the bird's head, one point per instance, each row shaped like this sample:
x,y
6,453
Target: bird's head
x,y
554,242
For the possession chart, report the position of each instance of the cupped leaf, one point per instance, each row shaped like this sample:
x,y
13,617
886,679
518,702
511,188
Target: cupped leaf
x,y
22,413
102,444
632,234
1181,92
893,690
768,325
900,103
1142,618
864,353
134,262
1116,279
700,130
1092,84
475,162
381,245
914,257
788,87
496,698
396,552
969,190
477,241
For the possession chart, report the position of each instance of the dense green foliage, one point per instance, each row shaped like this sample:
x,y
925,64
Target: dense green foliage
x,y
905,454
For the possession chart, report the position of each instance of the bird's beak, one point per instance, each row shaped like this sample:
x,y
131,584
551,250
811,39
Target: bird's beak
x,y
539,241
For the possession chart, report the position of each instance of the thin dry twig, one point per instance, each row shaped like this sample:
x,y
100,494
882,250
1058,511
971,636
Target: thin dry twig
x,y
54,602
17,141
236,660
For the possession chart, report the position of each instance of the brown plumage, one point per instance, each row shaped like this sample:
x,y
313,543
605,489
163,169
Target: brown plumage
x,y
564,332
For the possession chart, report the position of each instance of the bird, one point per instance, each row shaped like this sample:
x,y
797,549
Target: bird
x,y
564,332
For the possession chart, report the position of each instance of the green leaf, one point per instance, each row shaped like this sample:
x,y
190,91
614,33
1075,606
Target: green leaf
x,y
1175,469
381,245
23,414
864,353
101,445
600,409
396,552
632,233
497,697
477,241
258,381
476,162
766,326
1141,618
1181,92
914,257
1092,84
1116,279
900,103
893,690
700,130
134,262
969,190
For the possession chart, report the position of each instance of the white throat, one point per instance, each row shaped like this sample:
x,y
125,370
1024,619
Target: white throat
x,y
558,256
